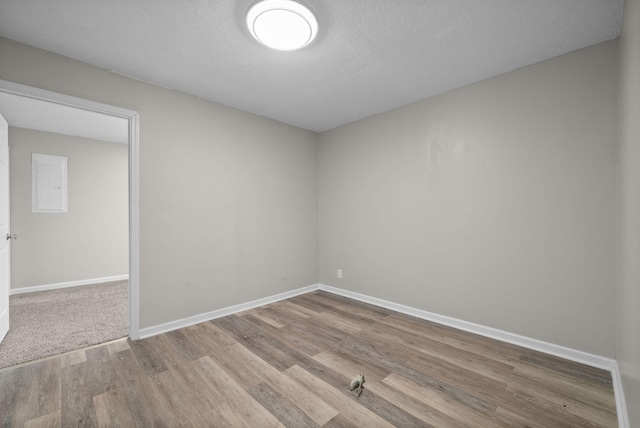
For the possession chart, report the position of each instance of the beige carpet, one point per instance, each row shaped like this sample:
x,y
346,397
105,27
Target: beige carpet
x,y
53,322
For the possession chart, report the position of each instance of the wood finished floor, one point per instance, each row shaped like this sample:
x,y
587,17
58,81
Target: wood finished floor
x,y
290,364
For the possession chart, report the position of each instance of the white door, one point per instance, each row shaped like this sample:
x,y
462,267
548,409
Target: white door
x,y
4,228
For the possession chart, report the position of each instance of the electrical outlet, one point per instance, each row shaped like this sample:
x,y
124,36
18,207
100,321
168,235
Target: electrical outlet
x,y
339,273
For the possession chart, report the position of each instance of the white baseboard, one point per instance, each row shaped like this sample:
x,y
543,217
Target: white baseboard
x,y
621,403
219,313
593,360
58,285
504,336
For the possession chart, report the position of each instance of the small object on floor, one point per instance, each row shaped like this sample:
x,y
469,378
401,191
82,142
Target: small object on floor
x,y
357,383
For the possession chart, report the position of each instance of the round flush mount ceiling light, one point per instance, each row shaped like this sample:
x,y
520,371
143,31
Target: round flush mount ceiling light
x,y
284,25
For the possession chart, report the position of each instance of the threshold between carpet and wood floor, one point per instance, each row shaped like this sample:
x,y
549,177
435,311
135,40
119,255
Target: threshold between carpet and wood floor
x,y
289,363
46,323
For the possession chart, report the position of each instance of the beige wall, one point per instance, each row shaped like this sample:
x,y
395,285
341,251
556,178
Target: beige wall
x,y
494,203
228,200
91,239
628,343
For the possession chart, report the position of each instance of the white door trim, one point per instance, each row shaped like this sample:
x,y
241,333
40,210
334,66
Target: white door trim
x,y
134,180
5,276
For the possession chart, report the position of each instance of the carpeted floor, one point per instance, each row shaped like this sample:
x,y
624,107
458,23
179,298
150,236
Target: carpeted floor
x,y
53,322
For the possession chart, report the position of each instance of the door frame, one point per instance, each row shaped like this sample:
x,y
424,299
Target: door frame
x,y
3,335
133,119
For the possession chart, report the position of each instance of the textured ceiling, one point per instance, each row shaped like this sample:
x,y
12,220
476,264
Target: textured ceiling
x,y
370,56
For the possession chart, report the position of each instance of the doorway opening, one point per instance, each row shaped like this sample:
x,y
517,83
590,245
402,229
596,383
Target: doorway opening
x,y
57,104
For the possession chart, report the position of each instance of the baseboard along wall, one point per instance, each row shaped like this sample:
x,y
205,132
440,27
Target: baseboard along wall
x,y
593,360
586,358
219,313
55,286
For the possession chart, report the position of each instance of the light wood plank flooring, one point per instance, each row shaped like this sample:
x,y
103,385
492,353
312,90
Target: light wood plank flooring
x,y
290,364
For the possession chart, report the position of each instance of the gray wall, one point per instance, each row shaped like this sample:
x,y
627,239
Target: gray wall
x,y
628,313
91,239
494,203
228,200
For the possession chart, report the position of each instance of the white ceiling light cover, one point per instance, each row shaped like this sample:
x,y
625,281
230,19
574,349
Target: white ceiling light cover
x,y
282,24
374,56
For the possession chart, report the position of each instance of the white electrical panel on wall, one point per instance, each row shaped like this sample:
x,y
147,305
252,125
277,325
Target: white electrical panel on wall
x,y
49,188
